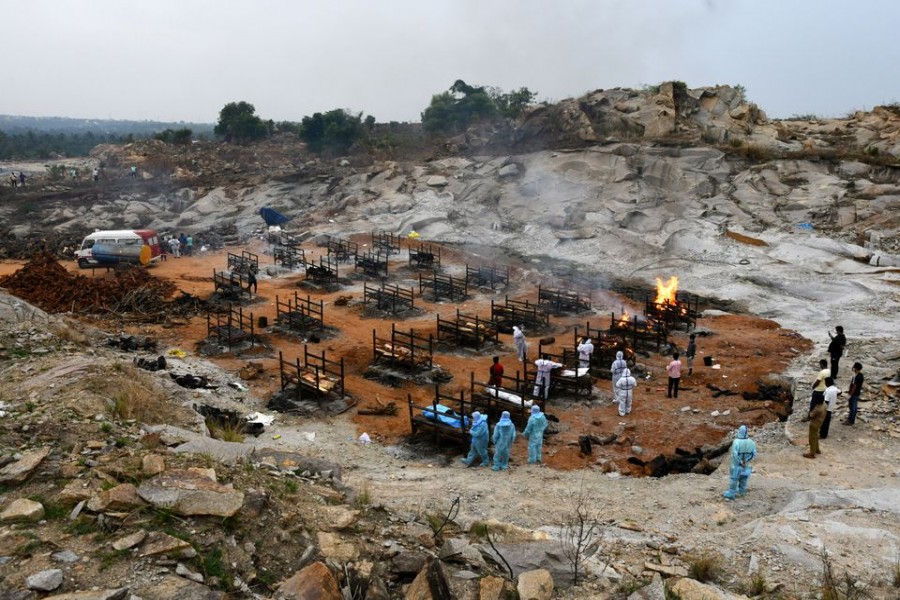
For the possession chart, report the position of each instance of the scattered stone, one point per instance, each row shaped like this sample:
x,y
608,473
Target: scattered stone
x,y
314,581
453,547
183,571
333,547
75,492
430,583
495,588
153,464
667,570
339,517
510,170
130,541
188,493
22,509
177,587
655,590
685,409
436,181
45,581
17,472
65,556
408,563
691,589
113,594
535,585
123,497
77,510
163,543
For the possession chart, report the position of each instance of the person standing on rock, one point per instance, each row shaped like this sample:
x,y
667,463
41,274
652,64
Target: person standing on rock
x,y
625,392
836,349
504,436
617,368
133,172
816,418
674,371
585,350
855,388
520,343
691,352
496,371
534,433
479,446
819,385
831,394
542,382
743,450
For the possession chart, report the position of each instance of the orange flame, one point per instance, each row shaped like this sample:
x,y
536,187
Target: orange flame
x,y
665,292
623,320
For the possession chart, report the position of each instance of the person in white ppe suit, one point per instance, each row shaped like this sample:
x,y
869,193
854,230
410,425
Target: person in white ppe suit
x,y
617,367
520,343
585,350
542,382
625,391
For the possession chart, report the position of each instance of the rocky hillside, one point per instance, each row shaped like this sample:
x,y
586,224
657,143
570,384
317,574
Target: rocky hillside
x,y
794,220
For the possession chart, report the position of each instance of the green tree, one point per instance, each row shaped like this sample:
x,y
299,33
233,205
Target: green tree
x,y
238,123
334,131
175,136
455,110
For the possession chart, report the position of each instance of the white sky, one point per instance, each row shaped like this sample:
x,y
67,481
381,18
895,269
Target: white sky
x,y
183,60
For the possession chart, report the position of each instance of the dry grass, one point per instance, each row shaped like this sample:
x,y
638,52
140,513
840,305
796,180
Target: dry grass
x,y
705,567
132,394
67,332
225,431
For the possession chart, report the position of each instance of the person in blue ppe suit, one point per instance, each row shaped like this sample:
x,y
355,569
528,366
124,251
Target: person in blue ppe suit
x,y
504,434
534,432
479,447
743,450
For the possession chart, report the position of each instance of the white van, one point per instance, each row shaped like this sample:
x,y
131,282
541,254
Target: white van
x,y
106,248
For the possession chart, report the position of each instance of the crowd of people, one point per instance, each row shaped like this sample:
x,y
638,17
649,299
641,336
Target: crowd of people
x,y
743,449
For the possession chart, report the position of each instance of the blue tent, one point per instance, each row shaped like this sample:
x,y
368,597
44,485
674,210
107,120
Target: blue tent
x,y
272,217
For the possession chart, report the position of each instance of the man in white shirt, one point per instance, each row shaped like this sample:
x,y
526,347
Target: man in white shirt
x,y
831,394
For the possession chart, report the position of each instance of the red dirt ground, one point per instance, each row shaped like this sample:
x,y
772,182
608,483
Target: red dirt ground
x,y
747,348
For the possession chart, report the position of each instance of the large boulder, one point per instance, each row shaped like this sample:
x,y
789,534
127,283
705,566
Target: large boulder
x,y
313,582
123,497
45,581
495,588
535,585
189,493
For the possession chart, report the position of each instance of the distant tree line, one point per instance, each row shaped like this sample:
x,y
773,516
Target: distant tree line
x,y
42,145
339,131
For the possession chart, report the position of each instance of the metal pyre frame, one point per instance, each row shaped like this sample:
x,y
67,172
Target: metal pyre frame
x,y
467,330
487,276
410,350
231,327
443,287
300,314
425,256
390,298
561,302
519,312
316,375
441,430
514,395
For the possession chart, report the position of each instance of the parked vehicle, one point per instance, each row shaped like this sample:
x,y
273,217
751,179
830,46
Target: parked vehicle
x,y
107,248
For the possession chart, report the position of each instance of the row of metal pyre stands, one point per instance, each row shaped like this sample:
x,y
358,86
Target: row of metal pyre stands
x,y
447,417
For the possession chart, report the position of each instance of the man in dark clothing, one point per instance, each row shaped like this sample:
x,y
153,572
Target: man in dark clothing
x,y
496,371
836,349
855,388
251,280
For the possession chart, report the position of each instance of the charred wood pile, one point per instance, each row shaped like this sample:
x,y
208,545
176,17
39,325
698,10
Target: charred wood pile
x,y
425,256
373,264
388,298
467,330
231,327
484,276
684,311
605,345
247,262
701,460
231,285
316,375
386,243
404,349
443,287
562,302
637,333
519,312
289,257
324,272
342,250
300,315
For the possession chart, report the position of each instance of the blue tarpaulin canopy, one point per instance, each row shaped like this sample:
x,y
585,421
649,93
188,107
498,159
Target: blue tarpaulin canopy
x,y
272,216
